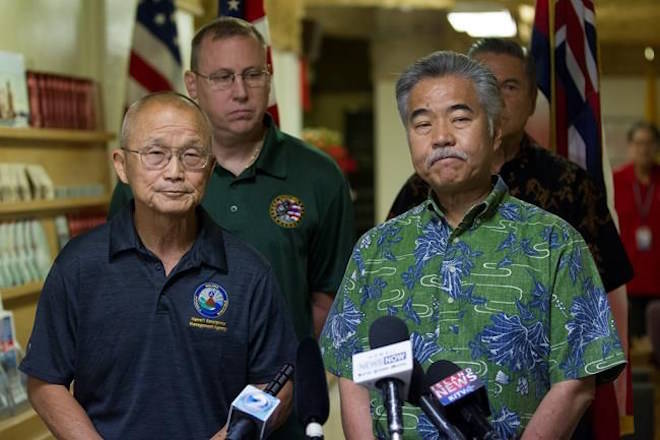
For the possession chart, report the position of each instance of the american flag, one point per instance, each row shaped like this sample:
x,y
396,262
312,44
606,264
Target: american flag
x,y
155,60
576,79
254,12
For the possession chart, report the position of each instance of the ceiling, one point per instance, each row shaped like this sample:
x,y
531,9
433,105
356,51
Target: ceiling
x,y
625,27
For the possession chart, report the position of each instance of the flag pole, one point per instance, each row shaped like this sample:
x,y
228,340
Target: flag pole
x,y
553,92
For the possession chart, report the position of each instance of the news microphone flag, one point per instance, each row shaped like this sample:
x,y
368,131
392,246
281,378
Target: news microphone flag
x,y
455,387
253,11
256,405
155,60
251,410
392,361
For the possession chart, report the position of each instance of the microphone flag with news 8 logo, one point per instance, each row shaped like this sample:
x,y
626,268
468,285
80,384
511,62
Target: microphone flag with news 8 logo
x,y
458,385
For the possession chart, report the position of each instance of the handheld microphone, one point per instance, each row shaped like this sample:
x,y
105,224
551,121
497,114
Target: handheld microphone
x,y
252,408
311,399
464,397
420,396
388,367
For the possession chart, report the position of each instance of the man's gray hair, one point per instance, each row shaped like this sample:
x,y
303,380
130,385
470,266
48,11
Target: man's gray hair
x,y
165,97
445,63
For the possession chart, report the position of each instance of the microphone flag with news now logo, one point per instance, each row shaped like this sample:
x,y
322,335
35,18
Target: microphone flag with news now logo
x,y
394,361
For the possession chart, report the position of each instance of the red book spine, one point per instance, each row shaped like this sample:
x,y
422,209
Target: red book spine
x,y
44,102
33,94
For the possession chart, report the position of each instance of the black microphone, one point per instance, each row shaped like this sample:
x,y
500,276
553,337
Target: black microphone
x,y
281,377
251,410
312,403
384,331
420,396
463,396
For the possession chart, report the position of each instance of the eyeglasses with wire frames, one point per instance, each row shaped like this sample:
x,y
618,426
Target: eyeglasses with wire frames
x,y
158,157
253,78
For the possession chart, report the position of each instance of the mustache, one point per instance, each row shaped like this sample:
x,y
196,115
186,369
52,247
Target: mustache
x,y
182,189
443,153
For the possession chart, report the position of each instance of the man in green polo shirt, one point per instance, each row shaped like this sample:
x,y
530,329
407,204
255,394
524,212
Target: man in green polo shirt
x,y
480,278
288,200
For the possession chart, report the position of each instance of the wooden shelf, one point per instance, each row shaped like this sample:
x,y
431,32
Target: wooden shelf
x,y
52,206
9,293
24,425
55,134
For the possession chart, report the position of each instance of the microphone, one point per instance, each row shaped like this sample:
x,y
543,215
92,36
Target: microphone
x,y
311,399
464,397
421,396
252,408
388,367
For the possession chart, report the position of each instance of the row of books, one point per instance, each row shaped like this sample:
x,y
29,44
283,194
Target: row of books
x,y
26,182
45,99
58,101
24,253
72,225
24,250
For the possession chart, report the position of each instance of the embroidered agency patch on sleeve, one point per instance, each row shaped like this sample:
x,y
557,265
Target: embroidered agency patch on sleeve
x,y
286,210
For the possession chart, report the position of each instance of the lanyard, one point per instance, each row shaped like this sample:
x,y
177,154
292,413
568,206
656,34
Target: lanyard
x,y
643,207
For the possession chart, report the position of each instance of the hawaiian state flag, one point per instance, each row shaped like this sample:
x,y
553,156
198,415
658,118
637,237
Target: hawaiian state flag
x,y
155,60
578,134
254,12
564,47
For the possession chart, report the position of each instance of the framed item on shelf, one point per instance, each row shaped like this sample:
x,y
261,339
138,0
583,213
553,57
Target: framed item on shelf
x,y
14,105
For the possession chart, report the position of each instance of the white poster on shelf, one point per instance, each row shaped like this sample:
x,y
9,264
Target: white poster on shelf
x,y
14,104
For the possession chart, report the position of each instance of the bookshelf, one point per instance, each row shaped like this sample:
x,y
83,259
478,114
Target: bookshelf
x,y
80,137
41,208
71,158
24,425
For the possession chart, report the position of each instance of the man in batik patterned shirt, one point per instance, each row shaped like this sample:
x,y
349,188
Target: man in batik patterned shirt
x,y
480,278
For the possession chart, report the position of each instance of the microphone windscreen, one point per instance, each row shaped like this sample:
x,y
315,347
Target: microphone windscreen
x,y
310,386
438,371
387,330
416,384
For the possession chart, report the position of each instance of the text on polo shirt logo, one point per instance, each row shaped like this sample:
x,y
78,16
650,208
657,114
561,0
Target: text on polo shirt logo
x,y
286,210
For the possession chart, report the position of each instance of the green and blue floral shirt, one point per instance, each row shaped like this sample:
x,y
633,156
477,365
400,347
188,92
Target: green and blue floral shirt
x,y
512,292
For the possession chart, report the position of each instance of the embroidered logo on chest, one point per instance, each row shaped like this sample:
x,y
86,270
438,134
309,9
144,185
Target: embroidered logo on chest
x,y
286,210
210,300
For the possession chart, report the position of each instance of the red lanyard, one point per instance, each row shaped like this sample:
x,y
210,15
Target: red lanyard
x,y
643,207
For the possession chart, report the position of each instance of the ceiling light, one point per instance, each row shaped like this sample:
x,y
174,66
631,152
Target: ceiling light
x,y
487,22
649,53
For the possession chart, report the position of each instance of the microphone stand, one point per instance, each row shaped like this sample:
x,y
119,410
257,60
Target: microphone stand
x,y
392,403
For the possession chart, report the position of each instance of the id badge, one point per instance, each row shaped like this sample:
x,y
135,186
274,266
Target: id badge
x,y
644,238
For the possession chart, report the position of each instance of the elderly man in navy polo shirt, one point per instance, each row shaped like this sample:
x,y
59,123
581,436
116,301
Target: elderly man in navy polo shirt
x,y
159,317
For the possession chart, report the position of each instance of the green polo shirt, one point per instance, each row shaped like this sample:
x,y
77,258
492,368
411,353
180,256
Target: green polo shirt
x,y
512,292
293,205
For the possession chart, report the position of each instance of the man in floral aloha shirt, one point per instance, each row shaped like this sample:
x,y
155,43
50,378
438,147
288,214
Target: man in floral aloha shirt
x,y
481,278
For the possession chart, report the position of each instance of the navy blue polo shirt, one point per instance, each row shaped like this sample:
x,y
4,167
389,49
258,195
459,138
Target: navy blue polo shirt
x,y
155,356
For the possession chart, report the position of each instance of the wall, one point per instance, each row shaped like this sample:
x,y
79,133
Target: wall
x,y
622,99
391,54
